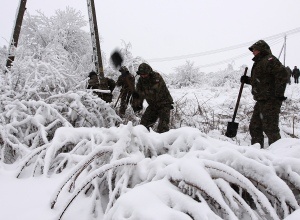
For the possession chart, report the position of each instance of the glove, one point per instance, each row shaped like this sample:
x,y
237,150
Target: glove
x,y
137,108
245,79
135,95
281,98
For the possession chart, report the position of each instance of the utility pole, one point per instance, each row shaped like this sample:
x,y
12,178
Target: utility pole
x,y
284,54
95,38
284,50
16,33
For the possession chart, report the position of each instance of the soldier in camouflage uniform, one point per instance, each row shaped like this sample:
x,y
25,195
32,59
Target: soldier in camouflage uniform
x,y
296,74
152,88
268,80
127,82
103,84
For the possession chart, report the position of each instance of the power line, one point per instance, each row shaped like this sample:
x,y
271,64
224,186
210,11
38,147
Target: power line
x,y
205,53
236,57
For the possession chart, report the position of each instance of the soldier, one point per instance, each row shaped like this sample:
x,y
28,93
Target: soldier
x,y
289,71
103,84
268,80
152,87
127,82
296,74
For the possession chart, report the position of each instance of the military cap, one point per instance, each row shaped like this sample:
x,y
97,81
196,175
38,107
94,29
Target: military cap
x,y
260,45
93,73
144,68
123,69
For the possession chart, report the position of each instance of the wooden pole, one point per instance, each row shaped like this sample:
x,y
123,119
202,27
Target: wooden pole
x,y
284,54
95,38
16,33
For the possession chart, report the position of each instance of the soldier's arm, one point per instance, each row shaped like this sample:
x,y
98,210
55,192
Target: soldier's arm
x,y
120,81
111,84
130,81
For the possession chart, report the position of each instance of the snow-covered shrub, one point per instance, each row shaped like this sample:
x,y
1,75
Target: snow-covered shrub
x,y
183,169
29,124
185,75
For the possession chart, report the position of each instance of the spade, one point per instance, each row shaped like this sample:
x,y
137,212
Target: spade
x,y
232,126
116,58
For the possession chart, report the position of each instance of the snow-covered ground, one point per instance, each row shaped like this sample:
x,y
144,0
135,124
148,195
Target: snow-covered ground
x,y
145,175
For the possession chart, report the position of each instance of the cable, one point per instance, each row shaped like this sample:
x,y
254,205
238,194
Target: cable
x,y
205,53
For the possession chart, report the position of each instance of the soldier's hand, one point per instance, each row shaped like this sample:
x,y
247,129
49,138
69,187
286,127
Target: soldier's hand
x,y
137,108
281,98
135,95
245,79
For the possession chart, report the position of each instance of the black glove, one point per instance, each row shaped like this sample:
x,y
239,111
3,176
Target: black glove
x,y
281,98
135,95
137,108
245,79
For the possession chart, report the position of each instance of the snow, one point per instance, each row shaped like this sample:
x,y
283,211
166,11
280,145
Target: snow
x,y
180,154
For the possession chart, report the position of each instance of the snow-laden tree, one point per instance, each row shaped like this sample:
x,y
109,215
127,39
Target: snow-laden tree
x,y
62,31
46,87
185,75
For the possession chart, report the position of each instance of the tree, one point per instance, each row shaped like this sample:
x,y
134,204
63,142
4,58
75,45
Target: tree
x,y
186,75
63,31
46,87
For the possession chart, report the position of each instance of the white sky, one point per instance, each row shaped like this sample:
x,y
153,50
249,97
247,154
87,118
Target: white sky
x,y
169,28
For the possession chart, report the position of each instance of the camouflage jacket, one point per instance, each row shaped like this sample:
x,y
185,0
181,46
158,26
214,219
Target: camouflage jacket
x,y
154,90
296,72
268,77
127,81
104,84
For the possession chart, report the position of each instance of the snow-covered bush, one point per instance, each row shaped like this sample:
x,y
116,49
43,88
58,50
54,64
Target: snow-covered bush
x,y
183,170
185,75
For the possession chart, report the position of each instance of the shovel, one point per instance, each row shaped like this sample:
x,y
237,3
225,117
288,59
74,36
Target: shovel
x,y
116,59
232,126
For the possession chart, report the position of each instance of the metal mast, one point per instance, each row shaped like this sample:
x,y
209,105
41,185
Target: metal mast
x,y
95,38
15,37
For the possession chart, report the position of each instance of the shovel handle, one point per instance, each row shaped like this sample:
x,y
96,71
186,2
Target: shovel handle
x,y
239,96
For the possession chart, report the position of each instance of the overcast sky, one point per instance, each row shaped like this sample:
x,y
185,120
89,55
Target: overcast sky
x,y
178,28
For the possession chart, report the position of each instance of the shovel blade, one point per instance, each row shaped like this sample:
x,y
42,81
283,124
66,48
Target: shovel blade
x,y
116,59
232,128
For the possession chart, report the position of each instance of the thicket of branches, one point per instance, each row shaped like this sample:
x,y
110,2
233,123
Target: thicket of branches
x,y
46,87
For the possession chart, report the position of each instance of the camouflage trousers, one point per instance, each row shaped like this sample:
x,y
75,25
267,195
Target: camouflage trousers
x,y
265,119
153,113
107,97
125,97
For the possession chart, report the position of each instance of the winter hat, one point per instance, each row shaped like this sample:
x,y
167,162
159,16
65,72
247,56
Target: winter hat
x,y
144,68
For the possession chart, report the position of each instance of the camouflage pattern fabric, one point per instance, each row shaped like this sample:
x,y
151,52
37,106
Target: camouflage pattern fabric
x,y
289,71
104,84
127,82
154,90
151,115
296,74
144,68
268,75
265,118
268,80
